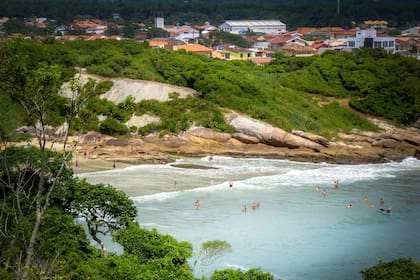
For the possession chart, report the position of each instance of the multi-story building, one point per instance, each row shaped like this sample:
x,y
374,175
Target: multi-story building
x,y
241,27
367,38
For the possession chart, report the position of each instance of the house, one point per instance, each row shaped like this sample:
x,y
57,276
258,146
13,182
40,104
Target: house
x,y
261,60
232,52
414,31
279,42
368,38
158,43
298,50
241,27
195,48
375,24
325,33
407,45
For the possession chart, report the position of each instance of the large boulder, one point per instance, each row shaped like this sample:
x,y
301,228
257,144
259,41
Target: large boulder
x,y
268,134
208,133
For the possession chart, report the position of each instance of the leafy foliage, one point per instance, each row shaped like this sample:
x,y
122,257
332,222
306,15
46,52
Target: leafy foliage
x,y
378,83
401,269
251,274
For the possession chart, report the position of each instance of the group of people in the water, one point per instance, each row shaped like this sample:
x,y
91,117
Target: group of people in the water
x,y
366,200
254,206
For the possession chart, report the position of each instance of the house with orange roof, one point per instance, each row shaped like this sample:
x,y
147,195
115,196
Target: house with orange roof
x,y
298,50
158,43
195,48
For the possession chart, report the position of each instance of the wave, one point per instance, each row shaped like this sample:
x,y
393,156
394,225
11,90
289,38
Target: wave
x,y
156,197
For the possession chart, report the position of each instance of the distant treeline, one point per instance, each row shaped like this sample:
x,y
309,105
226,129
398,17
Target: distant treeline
x,y
400,14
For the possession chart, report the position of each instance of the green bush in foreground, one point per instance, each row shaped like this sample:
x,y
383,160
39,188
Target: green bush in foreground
x,y
231,274
399,269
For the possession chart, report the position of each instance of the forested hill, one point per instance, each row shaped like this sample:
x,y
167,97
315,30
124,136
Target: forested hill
x,y
402,14
289,93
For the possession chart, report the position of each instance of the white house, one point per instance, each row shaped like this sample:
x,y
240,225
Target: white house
x,y
240,27
367,38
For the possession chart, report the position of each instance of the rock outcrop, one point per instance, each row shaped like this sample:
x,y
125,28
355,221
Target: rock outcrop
x,y
268,134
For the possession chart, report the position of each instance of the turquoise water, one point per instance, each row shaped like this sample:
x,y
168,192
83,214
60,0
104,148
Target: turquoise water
x,y
295,233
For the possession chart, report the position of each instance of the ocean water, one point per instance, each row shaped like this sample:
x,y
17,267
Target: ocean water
x,y
295,233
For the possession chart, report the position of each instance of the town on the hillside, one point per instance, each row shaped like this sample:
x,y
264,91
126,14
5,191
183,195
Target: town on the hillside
x,y
262,37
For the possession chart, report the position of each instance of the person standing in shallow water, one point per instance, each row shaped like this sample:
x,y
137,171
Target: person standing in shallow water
x,y
381,202
324,194
197,204
244,208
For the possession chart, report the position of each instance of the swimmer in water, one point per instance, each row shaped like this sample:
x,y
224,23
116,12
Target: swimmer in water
x,y
324,194
336,184
197,204
230,184
254,206
381,202
244,208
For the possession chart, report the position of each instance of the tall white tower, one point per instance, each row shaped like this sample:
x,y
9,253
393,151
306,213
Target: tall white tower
x,y
159,22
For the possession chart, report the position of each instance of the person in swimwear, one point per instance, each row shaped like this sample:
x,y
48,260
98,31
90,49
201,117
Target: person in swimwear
x,y
244,208
254,206
324,194
381,202
197,204
336,184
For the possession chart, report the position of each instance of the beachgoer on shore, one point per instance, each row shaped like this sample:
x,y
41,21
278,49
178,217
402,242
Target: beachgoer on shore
x,y
174,184
197,204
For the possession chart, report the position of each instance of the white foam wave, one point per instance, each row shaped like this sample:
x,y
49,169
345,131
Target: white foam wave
x,y
156,197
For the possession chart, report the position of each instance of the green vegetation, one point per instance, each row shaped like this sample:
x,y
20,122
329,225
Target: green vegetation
x,y
399,269
376,82
232,274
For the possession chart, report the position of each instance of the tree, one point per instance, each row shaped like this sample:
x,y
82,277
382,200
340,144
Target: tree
x,y
251,274
209,251
103,208
399,269
161,255
35,87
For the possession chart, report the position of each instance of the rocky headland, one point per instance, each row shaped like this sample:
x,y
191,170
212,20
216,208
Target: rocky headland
x,y
252,138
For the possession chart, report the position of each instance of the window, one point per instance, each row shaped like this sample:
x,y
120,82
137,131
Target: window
x,y
385,44
241,55
352,44
377,44
391,44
